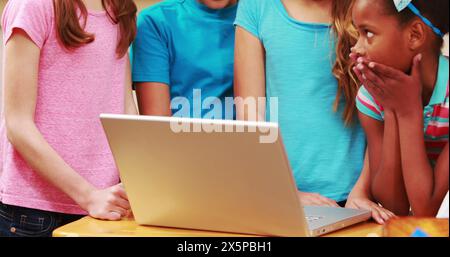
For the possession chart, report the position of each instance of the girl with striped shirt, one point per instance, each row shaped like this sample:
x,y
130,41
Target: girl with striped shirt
x,y
403,105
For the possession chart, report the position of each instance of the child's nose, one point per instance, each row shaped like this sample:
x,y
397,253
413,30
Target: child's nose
x,y
358,49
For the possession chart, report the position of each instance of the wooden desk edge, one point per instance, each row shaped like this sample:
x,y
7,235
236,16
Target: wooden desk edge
x,y
128,228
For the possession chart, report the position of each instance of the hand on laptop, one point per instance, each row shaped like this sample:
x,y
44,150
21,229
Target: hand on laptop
x,y
314,199
109,204
379,214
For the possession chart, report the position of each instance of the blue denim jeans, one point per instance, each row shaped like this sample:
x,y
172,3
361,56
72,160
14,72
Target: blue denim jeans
x,y
23,222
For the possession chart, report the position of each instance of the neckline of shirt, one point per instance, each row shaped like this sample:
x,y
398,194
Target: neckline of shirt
x,y
440,88
227,12
299,24
97,12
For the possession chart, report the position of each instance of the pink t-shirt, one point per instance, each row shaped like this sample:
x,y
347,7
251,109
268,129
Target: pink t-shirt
x,y
74,88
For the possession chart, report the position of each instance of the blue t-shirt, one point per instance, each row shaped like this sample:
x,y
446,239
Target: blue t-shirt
x,y
189,47
326,156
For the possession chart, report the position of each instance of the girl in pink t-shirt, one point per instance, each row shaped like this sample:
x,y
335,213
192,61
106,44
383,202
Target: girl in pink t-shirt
x,y
66,62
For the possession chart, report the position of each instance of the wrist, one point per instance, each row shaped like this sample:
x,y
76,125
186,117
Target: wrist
x,y
84,195
361,194
389,113
412,112
411,116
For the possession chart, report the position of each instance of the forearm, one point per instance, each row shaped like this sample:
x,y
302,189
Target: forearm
x,y
250,108
146,108
362,186
38,154
154,99
130,104
387,182
417,171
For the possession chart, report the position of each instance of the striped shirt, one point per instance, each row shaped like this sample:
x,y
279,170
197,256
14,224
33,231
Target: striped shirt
x,y
435,113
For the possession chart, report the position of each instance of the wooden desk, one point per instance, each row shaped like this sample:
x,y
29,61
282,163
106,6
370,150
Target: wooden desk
x,y
406,226
89,227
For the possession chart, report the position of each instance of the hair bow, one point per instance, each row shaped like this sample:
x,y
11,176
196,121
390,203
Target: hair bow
x,y
403,4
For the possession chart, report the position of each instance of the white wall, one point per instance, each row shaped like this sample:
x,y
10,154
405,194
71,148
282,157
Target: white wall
x,y
446,46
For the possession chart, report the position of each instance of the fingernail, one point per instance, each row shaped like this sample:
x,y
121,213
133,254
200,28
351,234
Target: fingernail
x,y
360,60
360,66
419,58
372,65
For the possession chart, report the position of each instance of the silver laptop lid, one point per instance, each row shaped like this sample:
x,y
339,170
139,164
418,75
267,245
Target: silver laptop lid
x,y
231,182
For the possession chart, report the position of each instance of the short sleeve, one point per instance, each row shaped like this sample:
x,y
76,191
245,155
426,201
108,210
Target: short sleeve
x,y
249,16
150,51
32,16
367,105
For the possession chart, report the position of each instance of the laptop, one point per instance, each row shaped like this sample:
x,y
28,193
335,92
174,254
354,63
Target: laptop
x,y
215,175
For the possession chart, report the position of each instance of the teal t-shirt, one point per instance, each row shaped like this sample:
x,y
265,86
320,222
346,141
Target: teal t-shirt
x,y
325,155
187,46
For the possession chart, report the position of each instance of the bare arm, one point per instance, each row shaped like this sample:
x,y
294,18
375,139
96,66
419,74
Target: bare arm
x,y
385,165
362,186
361,197
130,104
426,187
249,76
21,79
153,99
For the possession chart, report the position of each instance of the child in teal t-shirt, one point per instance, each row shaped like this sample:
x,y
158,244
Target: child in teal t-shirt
x,y
292,60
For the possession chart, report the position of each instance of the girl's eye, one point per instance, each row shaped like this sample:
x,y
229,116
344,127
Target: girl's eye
x,y
369,34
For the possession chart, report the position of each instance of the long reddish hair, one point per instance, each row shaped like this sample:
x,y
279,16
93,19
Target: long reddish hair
x,y
347,36
71,15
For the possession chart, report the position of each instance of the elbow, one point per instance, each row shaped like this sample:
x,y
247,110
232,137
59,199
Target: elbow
x,y
14,128
376,192
425,210
378,196
424,213
11,131
389,200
